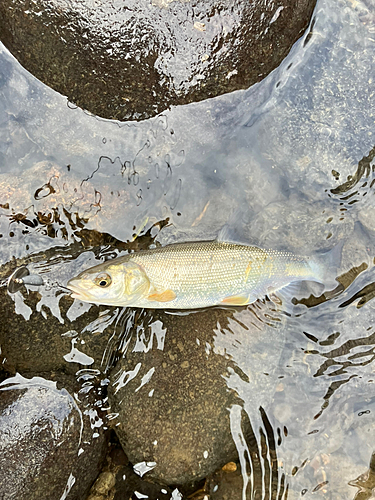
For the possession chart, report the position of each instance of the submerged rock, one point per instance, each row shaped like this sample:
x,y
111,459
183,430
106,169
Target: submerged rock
x,y
177,424
47,446
134,60
119,481
174,389
34,340
226,485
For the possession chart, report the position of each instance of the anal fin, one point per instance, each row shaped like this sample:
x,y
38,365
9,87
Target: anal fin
x,y
236,300
166,296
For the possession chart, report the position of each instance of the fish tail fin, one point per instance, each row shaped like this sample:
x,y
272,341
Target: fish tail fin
x,y
325,265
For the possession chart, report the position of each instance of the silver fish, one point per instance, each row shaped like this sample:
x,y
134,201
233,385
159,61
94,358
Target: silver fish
x,y
192,275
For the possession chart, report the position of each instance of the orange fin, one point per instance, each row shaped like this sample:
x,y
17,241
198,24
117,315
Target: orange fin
x,y
166,296
236,300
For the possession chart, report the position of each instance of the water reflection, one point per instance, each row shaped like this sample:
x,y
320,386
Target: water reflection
x,y
262,476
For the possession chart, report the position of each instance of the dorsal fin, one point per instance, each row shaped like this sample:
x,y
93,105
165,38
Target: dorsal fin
x,y
236,230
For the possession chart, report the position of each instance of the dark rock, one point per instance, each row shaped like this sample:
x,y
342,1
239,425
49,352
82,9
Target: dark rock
x,y
133,60
226,485
47,444
118,481
171,393
102,486
33,339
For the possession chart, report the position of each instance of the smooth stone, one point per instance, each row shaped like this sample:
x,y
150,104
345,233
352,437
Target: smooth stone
x,y
225,485
35,338
47,446
133,60
118,481
103,485
174,388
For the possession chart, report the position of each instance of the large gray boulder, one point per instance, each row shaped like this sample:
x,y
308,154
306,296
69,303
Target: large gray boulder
x,y
134,59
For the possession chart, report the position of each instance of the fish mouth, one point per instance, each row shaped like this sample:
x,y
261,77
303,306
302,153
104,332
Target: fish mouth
x,y
77,292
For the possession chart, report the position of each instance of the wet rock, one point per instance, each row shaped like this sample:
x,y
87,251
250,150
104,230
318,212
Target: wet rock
x,y
179,421
171,392
226,485
133,61
102,486
118,481
34,339
45,439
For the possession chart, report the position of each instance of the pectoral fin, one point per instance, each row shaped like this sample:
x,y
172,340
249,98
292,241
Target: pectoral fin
x,y
236,300
166,296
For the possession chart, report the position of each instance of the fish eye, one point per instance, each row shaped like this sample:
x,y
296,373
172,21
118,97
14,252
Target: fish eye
x,y
103,280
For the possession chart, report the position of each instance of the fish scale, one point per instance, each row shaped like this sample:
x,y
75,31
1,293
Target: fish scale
x,y
206,264
193,275
205,273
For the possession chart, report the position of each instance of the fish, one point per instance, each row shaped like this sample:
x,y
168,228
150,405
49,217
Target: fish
x,y
193,275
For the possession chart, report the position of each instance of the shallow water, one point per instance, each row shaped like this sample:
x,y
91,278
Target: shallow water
x,y
287,164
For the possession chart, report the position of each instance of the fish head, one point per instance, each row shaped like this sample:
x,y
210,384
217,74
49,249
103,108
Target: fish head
x,y
118,284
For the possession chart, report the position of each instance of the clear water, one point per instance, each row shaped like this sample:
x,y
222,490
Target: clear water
x,y
287,164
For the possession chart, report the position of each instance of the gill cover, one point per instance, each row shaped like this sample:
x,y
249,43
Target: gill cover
x,y
135,280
